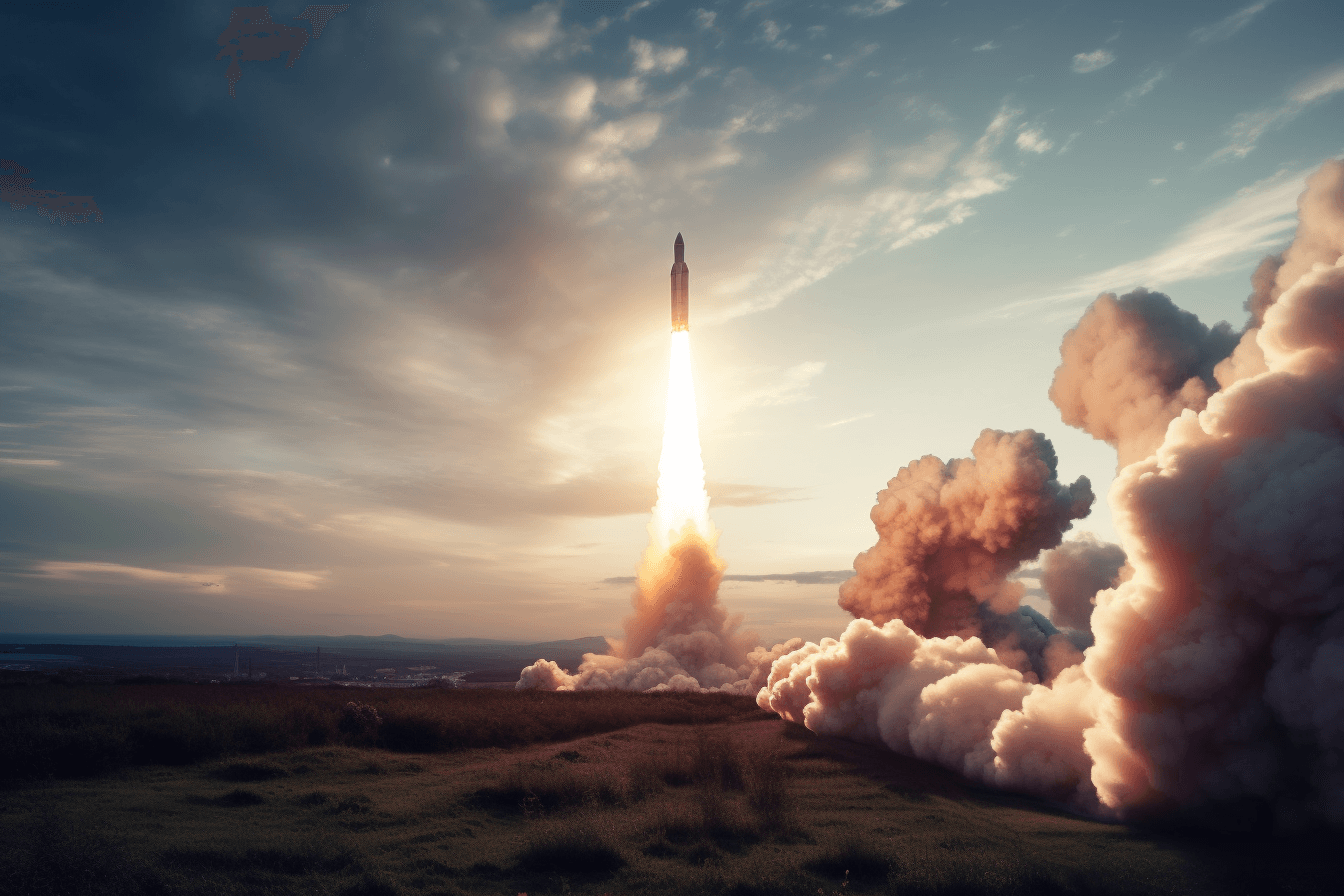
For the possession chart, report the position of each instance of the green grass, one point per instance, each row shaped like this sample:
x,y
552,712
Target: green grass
x,y
719,800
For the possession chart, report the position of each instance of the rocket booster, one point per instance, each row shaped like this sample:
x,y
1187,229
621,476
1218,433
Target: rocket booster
x,y
681,287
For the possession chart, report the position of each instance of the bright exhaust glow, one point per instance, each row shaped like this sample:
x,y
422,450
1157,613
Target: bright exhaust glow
x,y
682,500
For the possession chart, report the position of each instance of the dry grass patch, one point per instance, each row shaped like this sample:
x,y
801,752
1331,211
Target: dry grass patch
x,y
742,806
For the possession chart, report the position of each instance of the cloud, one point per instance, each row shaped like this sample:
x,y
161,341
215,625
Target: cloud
x,y
1091,62
1247,129
923,191
535,30
1144,88
605,152
853,419
985,47
224,580
1254,221
1225,28
653,59
874,7
819,577
772,33
1033,140
704,19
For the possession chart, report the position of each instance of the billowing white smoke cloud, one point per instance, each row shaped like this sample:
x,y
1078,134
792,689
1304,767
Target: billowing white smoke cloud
x,y
1222,659
1217,676
1132,365
943,663
679,638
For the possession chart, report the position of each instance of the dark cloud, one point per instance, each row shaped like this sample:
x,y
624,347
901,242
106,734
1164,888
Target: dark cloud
x,y
819,577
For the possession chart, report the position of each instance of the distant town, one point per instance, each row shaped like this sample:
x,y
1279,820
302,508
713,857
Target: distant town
x,y
355,662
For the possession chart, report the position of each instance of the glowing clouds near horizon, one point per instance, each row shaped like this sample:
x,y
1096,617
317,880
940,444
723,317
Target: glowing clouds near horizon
x,y
1216,682
680,637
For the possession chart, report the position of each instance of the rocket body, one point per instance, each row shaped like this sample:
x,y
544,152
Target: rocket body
x,y
681,287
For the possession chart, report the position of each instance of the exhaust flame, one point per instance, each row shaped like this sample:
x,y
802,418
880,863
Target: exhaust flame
x,y
682,500
680,637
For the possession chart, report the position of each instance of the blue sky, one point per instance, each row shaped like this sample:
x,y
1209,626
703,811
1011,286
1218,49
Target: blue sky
x,y
377,344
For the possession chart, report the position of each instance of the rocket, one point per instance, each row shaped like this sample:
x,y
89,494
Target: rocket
x,y
681,287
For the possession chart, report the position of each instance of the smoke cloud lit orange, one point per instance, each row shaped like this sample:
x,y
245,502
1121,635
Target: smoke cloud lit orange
x,y
1216,682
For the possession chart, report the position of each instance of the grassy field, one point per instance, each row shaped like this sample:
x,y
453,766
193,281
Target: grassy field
x,y
553,794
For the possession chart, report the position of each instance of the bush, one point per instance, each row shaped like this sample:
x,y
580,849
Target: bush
x,y
360,721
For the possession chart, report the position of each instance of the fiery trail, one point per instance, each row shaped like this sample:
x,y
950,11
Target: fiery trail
x,y
679,637
682,500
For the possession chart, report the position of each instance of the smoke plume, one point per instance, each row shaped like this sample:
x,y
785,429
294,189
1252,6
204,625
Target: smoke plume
x,y
1132,365
1074,572
949,534
1217,674
679,638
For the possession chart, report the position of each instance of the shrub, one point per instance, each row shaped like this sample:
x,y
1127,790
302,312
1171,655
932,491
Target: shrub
x,y
360,721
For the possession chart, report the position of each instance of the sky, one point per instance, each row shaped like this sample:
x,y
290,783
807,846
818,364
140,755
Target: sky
x,y
377,344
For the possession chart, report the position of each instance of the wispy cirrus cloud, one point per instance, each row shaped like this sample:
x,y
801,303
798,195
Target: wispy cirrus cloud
x,y
1247,129
816,577
1144,87
919,193
223,580
874,7
1259,219
855,419
1225,28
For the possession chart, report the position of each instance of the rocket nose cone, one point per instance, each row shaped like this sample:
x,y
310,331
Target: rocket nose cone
x,y
678,242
